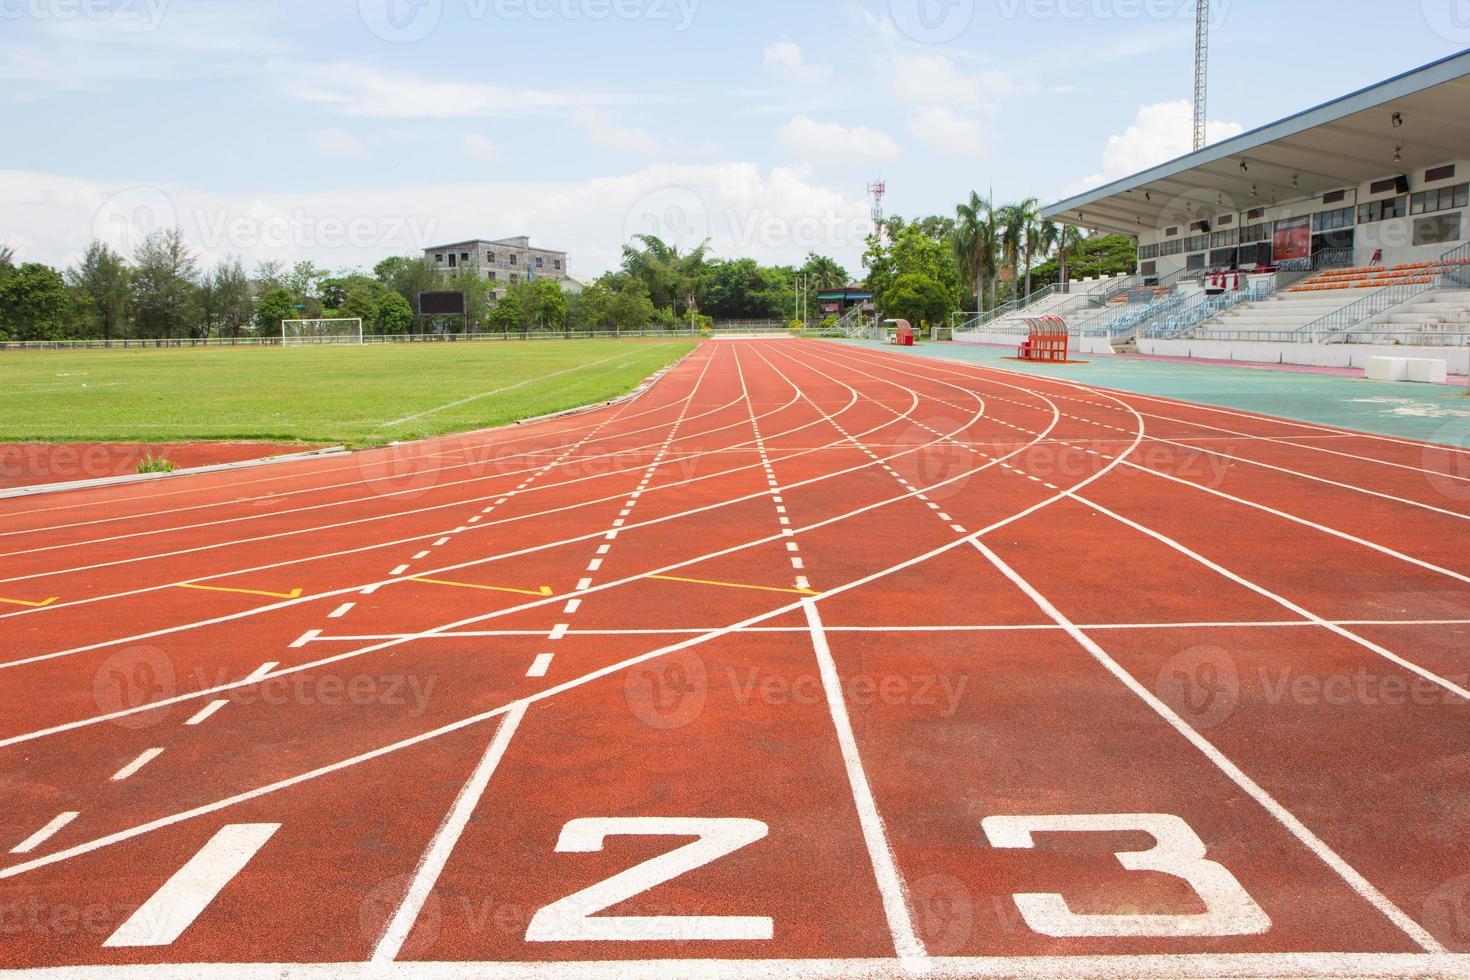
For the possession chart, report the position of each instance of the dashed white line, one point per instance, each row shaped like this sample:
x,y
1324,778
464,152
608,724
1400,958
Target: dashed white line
x,y
147,756
203,714
541,665
57,824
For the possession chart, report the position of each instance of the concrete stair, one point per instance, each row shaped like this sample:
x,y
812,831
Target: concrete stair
x,y
1284,312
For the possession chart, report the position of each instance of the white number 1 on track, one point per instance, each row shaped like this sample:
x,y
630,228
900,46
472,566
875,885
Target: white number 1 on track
x,y
1178,851
570,919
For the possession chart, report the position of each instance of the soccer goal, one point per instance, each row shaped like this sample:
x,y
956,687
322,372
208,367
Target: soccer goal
x,y
321,332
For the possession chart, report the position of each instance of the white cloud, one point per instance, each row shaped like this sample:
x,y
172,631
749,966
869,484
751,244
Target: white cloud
x,y
814,140
787,58
602,130
934,80
480,147
950,132
361,90
337,142
1160,132
775,215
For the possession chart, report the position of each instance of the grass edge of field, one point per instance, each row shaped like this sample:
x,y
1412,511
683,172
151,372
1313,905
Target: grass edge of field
x,y
499,420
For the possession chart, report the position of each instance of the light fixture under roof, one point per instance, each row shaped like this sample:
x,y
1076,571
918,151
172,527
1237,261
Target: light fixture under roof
x,y
1398,120
1244,167
1398,153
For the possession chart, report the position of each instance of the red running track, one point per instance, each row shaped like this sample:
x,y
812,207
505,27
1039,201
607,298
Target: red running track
x,y
811,661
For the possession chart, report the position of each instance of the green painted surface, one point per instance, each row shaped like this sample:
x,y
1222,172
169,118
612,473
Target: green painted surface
x,y
1432,413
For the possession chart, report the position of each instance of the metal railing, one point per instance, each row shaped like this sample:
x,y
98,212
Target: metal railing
x,y
1333,327
1457,267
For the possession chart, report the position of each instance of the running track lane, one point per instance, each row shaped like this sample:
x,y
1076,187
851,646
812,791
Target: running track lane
x,y
919,638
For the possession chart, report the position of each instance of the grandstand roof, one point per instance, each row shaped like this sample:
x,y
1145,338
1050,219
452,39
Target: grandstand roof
x,y
1337,145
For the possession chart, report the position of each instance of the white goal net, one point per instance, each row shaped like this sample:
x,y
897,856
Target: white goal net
x,y
321,332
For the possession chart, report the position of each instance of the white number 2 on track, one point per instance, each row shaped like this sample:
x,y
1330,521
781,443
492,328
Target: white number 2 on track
x,y
571,918
1178,851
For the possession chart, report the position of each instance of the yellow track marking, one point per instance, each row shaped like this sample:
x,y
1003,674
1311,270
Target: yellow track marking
x,y
293,594
31,605
734,585
544,591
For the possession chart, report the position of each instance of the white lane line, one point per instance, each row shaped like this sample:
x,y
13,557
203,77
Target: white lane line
x,y
305,638
261,671
174,907
584,584
885,869
421,556
371,589
398,571
1295,827
559,631
541,665
572,606
147,756
203,714
441,542
437,856
595,565
57,824
341,610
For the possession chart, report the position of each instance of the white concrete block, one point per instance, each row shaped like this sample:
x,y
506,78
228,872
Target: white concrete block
x,y
1429,372
1388,369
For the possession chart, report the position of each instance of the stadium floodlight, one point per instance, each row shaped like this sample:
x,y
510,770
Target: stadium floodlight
x,y
339,331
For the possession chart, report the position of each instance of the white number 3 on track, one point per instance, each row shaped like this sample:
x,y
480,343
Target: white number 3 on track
x,y
1229,910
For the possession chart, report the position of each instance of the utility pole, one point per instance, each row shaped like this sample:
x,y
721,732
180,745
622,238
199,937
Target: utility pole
x,y
1201,70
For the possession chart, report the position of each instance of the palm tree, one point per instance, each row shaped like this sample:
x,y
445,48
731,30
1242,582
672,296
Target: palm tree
x,y
977,244
1041,238
1069,240
672,279
1021,223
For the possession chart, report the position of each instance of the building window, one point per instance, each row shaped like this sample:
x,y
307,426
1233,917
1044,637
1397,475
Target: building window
x,y
1332,220
492,275
1437,231
464,257
1171,232
1335,197
1255,214
558,265
1225,219
1221,239
1393,207
452,263
490,257
1443,199
1439,173
513,258
1196,243
515,277
1255,233
1148,269
1195,263
540,262
439,257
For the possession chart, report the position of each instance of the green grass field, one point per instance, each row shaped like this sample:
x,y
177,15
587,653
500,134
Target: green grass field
x,y
355,396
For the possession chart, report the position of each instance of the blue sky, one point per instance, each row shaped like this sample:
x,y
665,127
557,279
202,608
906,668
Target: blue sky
x,y
345,130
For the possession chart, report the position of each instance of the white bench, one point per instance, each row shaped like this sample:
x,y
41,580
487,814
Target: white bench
x,y
1414,369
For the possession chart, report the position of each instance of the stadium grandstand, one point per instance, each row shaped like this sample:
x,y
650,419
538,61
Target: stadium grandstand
x,y
1319,239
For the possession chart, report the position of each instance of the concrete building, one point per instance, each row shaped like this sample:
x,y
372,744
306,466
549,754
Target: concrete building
x,y
504,261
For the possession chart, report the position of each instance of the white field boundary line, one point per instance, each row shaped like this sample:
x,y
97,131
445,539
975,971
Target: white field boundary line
x,y
1307,615
1185,966
484,617
1178,403
127,479
529,381
1350,875
607,671
436,443
960,368
1305,522
419,538
891,887
1013,628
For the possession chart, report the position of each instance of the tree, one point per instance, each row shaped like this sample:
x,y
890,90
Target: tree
x,y
102,278
977,244
670,279
275,306
395,316
1103,255
164,285
1069,239
226,296
546,304
631,308
918,299
591,308
361,303
269,275
408,276
34,303
912,253
509,315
